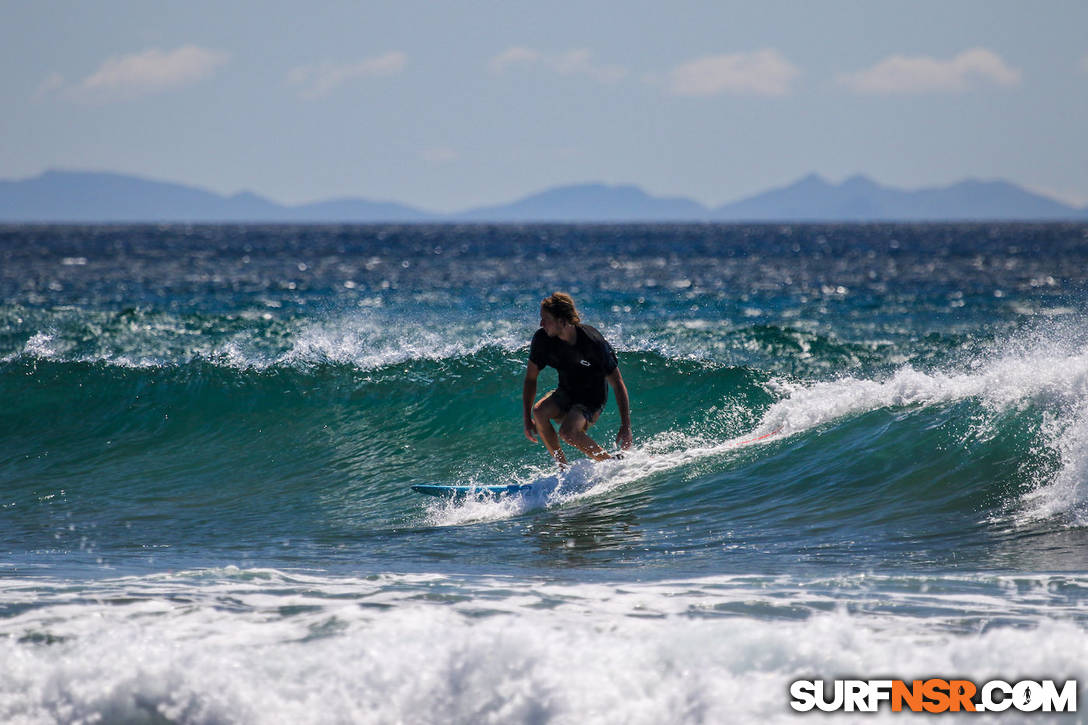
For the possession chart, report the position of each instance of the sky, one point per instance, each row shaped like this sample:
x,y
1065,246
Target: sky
x,y
450,105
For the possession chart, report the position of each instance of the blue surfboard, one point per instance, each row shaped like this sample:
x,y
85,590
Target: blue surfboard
x,y
461,491
578,477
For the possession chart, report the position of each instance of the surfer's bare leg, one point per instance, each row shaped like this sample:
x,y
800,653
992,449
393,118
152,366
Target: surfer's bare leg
x,y
573,431
543,413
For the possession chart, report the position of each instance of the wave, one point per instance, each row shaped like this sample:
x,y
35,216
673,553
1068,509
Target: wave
x,y
1037,399
1005,439
993,447
250,340
218,646
258,338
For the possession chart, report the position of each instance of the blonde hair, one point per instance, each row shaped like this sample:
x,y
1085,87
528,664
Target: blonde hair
x,y
561,306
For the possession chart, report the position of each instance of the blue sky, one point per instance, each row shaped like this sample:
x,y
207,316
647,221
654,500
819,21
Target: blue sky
x,y
447,105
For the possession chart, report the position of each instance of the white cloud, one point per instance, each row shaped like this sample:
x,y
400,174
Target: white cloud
x,y
148,72
573,62
320,79
1084,64
764,73
923,74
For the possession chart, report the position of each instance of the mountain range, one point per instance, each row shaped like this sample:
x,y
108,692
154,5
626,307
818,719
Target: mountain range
x,y
98,197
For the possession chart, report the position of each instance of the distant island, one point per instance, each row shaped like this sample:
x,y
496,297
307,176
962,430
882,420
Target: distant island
x,y
94,197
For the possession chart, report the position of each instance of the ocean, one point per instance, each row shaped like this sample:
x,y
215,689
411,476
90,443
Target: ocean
x,y
208,436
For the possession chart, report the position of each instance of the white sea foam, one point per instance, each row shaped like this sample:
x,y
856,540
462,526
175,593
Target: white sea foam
x,y
1065,494
1056,381
368,344
43,345
549,488
365,341
275,649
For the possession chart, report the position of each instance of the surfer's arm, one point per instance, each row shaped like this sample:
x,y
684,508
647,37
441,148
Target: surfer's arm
x,y
528,394
623,437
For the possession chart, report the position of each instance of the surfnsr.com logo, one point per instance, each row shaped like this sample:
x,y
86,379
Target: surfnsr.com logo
x,y
933,695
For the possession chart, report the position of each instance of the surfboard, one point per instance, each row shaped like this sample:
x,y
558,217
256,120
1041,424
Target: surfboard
x,y
579,476
441,490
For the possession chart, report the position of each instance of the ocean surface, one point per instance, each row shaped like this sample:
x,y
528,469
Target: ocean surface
x,y
208,436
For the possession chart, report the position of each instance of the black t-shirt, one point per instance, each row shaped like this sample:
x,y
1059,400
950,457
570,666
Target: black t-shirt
x,y
582,366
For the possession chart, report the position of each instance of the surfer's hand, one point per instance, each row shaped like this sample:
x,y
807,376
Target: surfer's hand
x,y
530,430
624,439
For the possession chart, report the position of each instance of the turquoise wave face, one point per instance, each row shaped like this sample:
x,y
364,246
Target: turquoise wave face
x,y
268,396
137,463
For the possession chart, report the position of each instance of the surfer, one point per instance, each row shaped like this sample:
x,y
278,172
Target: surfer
x,y
585,362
